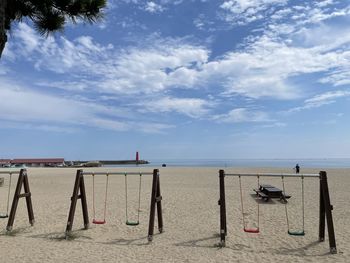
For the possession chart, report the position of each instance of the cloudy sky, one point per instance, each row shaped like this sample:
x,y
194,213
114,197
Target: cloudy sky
x,y
182,79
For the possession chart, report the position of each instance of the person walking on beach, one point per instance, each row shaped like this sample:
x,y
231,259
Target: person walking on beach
x,y
297,168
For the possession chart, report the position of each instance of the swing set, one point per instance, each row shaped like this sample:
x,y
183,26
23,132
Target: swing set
x,y
325,212
79,186
21,181
127,221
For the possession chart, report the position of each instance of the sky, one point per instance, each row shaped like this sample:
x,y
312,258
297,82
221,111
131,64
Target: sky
x,y
189,79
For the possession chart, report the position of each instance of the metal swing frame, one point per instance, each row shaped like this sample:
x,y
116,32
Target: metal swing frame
x,y
325,212
80,193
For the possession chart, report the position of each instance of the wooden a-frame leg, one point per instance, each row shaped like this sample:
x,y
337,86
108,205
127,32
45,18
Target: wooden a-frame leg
x,y
159,207
22,180
222,203
28,200
327,207
78,185
155,200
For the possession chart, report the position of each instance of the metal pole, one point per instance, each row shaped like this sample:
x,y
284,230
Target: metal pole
x,y
273,175
117,173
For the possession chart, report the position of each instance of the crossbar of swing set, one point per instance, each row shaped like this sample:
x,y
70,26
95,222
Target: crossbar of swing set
x,y
9,172
274,175
117,173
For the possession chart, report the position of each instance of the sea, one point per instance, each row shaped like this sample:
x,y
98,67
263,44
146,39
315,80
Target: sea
x,y
303,163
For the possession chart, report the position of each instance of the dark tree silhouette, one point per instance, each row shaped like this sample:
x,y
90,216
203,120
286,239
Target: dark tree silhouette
x,y
47,15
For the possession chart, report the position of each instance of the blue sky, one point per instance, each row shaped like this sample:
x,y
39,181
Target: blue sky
x,y
182,79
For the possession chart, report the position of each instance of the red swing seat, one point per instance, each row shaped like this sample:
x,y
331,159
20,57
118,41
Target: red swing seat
x,y
98,222
251,230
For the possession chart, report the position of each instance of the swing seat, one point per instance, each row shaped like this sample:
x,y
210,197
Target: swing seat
x,y
131,223
296,233
4,216
251,230
98,222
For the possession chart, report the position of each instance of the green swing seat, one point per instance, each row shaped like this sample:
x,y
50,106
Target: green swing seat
x,y
127,222
132,223
4,216
296,233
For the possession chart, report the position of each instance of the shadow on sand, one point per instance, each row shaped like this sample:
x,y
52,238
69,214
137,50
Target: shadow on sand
x,y
300,251
59,236
205,242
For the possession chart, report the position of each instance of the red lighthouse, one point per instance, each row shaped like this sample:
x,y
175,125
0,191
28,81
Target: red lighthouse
x,y
137,157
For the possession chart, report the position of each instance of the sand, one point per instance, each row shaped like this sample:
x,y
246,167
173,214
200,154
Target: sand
x,y
191,219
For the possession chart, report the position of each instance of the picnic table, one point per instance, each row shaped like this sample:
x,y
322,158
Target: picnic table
x,y
267,191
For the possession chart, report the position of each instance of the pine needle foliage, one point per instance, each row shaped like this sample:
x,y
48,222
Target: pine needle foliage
x,y
51,15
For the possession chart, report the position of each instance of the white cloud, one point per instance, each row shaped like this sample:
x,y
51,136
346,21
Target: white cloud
x,y
152,7
155,69
26,35
281,13
246,11
324,3
309,14
321,100
77,85
274,125
263,68
240,6
51,112
191,107
242,115
338,77
157,66
261,85
20,125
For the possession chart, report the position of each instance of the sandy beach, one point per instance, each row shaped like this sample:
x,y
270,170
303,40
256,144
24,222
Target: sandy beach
x,y
191,219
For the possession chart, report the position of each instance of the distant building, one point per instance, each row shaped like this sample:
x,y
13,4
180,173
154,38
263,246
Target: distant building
x,y
5,162
45,162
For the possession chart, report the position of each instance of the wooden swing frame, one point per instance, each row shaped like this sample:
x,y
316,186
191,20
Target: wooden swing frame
x,y
80,193
22,180
325,212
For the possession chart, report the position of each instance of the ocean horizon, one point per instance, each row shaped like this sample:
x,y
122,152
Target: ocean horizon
x,y
303,163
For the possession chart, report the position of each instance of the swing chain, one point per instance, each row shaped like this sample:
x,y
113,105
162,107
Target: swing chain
x,y
93,201
5,215
126,201
302,232
252,230
93,195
